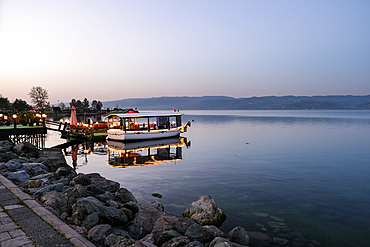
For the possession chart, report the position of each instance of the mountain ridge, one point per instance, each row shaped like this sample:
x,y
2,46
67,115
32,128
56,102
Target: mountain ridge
x,y
289,102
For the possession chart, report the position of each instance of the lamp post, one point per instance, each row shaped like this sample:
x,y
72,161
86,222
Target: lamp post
x,y
15,120
43,119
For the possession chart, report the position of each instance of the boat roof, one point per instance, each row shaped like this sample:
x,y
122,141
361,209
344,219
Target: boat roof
x,y
145,114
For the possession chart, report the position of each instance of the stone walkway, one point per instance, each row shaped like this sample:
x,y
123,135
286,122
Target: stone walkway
x,y
24,222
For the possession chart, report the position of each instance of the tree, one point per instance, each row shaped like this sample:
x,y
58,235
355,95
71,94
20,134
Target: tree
x,y
20,105
85,104
4,103
99,106
62,106
39,97
94,104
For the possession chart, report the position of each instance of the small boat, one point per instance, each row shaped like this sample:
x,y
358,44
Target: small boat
x,y
144,126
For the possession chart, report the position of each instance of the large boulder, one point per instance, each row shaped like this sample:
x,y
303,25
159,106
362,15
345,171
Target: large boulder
x,y
103,183
54,187
125,196
177,242
26,149
34,169
107,215
55,200
76,191
204,211
52,158
19,176
13,165
144,220
82,179
239,235
129,242
91,220
171,222
199,233
98,233
221,242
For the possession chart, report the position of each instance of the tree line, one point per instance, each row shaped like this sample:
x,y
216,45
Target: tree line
x,y
39,98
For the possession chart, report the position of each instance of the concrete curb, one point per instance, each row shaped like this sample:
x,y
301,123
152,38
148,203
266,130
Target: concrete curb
x,y
73,236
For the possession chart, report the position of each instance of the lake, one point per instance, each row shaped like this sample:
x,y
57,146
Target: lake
x,y
303,176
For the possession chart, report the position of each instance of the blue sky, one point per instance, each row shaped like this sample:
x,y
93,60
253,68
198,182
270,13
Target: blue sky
x,y
108,50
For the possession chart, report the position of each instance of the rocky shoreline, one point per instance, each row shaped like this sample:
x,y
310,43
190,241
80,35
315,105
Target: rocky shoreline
x,y
106,214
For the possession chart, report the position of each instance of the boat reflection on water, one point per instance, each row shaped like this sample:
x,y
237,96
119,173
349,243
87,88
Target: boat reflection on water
x,y
154,152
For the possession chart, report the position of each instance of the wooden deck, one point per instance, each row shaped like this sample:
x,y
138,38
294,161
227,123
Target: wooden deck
x,y
6,131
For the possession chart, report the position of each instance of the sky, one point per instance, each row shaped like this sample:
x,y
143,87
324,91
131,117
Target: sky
x,y
110,50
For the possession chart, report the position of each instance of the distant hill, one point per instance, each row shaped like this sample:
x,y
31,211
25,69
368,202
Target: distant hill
x,y
252,103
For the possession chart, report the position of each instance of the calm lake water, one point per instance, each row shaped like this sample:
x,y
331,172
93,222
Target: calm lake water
x,y
311,169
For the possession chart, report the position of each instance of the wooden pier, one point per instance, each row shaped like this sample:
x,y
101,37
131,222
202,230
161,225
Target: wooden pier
x,y
82,132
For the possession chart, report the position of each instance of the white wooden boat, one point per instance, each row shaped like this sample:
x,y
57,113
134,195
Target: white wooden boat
x,y
144,126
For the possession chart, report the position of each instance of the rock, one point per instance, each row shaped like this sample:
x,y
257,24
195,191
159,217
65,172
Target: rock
x,y
239,235
166,236
133,206
216,232
43,176
55,187
194,244
148,239
19,176
220,242
114,204
91,220
274,218
35,183
76,191
125,196
280,241
52,158
177,242
129,242
112,239
128,213
82,179
107,215
148,214
8,156
13,165
256,238
105,197
93,189
103,183
157,195
98,233
171,222
204,211
56,201
62,172
263,215
199,233
136,229
27,148
34,169
64,181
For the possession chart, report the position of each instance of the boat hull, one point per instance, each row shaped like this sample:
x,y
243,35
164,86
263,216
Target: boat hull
x,y
120,135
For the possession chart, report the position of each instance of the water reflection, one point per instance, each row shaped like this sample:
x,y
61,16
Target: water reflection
x,y
123,155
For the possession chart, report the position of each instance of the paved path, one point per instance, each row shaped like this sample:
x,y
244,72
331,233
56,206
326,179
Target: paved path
x,y
24,222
